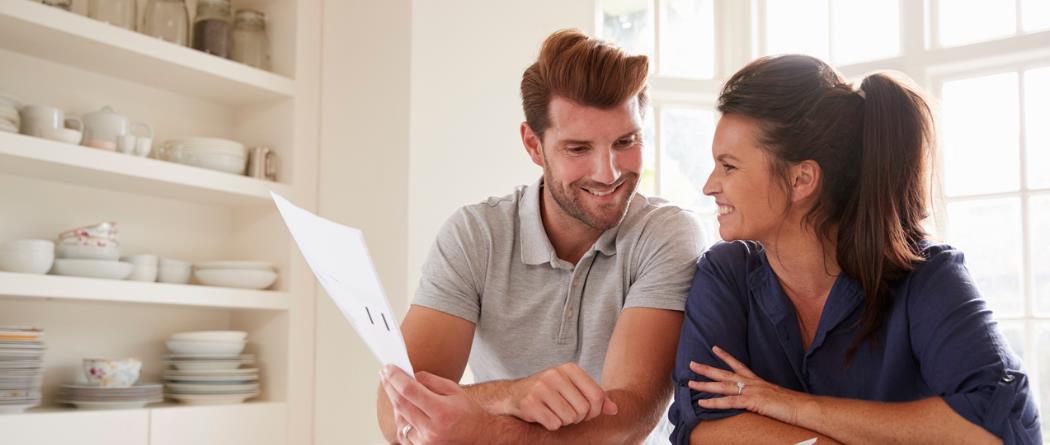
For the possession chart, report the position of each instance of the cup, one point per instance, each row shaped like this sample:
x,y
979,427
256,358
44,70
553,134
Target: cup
x,y
143,145
126,143
111,373
37,120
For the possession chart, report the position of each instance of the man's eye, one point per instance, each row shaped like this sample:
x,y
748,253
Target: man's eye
x,y
577,149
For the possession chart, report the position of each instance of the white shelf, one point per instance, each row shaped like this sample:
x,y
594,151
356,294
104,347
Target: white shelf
x,y
49,33
27,156
92,289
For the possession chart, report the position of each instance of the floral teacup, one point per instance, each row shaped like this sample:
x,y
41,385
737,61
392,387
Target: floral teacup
x,y
112,373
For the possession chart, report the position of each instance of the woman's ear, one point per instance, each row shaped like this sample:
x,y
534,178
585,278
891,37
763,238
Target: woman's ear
x,y
532,144
805,181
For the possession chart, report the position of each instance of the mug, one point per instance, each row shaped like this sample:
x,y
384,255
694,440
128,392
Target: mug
x,y
41,121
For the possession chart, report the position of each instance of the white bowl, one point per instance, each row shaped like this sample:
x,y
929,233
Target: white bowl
x,y
89,251
27,256
144,259
210,145
146,274
113,270
242,279
221,336
213,161
174,271
240,265
205,347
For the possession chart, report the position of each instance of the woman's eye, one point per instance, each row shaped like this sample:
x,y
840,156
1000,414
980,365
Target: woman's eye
x,y
728,168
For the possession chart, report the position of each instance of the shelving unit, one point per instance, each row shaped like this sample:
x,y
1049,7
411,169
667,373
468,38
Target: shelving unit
x,y
62,59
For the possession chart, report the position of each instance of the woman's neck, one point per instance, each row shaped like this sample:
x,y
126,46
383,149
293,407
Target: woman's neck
x,y
804,263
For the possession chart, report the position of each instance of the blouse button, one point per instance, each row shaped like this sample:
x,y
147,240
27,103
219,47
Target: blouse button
x,y
1008,378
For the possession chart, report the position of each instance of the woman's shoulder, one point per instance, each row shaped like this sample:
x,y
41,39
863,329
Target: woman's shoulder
x,y
734,254
941,278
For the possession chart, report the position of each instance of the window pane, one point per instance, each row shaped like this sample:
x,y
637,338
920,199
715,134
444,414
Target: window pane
x,y
685,156
687,38
797,26
964,22
980,129
1039,249
1042,381
647,183
1035,16
629,23
864,30
988,231
1037,132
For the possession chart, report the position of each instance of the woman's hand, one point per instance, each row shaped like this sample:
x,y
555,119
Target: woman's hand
x,y
742,389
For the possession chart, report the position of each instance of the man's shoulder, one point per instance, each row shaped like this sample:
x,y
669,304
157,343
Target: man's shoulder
x,y
494,209
658,217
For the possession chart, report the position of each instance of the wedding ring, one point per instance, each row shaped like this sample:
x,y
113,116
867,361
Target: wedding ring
x,y
405,430
740,388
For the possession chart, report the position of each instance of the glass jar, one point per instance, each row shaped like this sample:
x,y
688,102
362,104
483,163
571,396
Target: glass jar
x,y
212,27
250,44
61,4
121,13
167,20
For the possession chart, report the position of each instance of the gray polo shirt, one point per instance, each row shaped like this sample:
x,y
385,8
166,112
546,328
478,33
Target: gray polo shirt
x,y
493,265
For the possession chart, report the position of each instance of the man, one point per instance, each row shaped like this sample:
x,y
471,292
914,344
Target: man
x,y
566,295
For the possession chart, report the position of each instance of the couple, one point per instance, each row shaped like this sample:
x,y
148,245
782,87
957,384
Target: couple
x,y
827,314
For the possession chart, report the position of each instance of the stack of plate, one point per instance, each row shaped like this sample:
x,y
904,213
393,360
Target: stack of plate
x,y
239,274
207,368
21,368
211,153
101,397
9,118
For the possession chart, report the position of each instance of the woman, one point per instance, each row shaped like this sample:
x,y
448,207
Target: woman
x,y
836,319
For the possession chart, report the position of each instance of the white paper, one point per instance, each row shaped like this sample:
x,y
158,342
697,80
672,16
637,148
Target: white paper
x,y
339,258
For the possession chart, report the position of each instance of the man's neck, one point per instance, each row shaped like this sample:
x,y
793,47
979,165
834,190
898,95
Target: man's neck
x,y
570,237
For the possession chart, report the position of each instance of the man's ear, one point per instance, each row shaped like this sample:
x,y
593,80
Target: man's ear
x,y
805,181
532,144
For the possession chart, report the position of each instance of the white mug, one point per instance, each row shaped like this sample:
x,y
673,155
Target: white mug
x,y
40,120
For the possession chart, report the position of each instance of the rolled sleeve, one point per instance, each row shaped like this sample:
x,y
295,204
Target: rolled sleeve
x,y
668,255
715,314
963,357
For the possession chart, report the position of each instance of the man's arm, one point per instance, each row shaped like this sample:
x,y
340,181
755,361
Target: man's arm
x,y
437,343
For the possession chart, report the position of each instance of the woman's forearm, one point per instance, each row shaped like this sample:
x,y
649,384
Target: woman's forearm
x,y
863,422
750,428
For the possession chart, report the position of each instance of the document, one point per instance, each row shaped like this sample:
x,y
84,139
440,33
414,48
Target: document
x,y
339,258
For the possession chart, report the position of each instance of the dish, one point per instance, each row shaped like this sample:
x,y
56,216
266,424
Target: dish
x,y
205,347
236,278
229,336
113,270
211,399
239,265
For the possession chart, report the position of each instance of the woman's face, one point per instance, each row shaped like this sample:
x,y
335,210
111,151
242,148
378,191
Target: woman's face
x,y
751,203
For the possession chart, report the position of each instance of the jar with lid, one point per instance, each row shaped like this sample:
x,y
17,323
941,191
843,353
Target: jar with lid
x,y
167,20
250,44
212,26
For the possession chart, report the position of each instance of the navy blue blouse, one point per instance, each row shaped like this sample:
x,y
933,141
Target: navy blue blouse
x,y
939,340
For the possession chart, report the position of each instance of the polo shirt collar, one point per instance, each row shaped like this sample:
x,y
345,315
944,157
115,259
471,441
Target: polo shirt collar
x,y
536,247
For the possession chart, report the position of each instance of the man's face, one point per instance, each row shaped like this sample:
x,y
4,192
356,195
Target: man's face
x,y
591,160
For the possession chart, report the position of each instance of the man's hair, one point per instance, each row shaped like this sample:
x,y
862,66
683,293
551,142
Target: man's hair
x,y
584,70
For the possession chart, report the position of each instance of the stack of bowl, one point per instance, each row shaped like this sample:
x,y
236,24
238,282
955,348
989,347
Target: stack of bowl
x,y
91,251
21,368
111,385
27,256
211,153
207,368
238,274
9,118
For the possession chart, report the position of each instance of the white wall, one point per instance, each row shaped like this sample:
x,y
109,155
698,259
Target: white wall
x,y
420,113
467,61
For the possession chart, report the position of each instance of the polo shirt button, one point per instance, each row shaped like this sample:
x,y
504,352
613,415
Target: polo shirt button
x,y
1008,378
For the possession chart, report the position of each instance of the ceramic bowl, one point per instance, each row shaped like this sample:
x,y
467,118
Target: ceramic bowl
x,y
245,265
111,373
88,250
146,274
101,230
238,278
27,256
229,348
174,271
221,336
112,270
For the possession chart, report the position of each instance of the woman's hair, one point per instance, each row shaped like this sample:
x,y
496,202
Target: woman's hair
x,y
584,70
874,146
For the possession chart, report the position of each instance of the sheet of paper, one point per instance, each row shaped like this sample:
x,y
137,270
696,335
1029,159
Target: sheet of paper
x,y
339,258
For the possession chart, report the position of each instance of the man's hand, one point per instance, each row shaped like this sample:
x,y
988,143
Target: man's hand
x,y
557,397
432,409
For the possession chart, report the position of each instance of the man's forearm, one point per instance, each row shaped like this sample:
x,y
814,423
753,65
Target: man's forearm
x,y
637,417
860,421
493,395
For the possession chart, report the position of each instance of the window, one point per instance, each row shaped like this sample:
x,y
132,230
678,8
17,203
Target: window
x,y
987,66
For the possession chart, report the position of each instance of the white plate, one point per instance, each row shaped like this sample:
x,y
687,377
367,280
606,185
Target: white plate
x,y
211,388
131,404
17,409
113,270
240,265
210,365
242,279
229,336
205,347
211,399
229,380
8,127
227,372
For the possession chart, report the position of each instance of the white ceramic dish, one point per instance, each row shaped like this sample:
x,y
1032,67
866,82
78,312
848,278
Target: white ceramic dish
x,y
226,336
205,347
27,256
107,229
214,145
88,251
211,388
144,259
216,373
10,115
239,265
207,365
216,379
135,404
212,161
211,399
8,127
17,409
146,274
113,270
174,271
237,278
